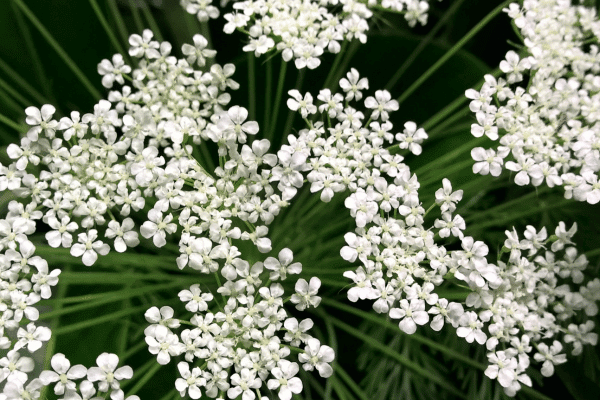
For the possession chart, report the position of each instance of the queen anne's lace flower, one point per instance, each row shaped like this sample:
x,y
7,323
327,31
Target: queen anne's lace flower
x,y
300,29
542,111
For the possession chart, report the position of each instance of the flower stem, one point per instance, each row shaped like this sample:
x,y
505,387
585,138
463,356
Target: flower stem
x,y
151,21
278,95
147,376
251,86
137,19
268,100
452,51
121,27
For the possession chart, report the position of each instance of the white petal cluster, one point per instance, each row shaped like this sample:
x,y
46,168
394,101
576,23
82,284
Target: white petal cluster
x,y
303,30
532,297
243,346
133,156
543,109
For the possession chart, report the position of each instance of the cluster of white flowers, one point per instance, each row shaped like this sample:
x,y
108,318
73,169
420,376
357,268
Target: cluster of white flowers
x,y
522,302
238,345
544,110
304,29
103,380
134,154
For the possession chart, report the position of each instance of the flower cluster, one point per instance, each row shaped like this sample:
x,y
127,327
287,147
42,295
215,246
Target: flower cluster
x,y
543,110
102,380
525,305
137,156
304,29
238,346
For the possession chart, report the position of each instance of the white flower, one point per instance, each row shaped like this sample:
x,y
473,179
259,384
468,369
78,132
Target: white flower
x,y
233,126
353,85
108,375
88,247
143,46
164,344
41,121
243,383
157,227
32,337
198,52
410,315
196,300
43,280
64,375
381,104
302,104
550,357
113,71
305,295
317,356
283,266
123,234
14,367
190,380
285,379
61,235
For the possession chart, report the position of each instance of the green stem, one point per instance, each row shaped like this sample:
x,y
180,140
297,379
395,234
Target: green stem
x,y
343,68
11,103
137,19
456,167
423,44
456,153
54,44
291,114
518,215
251,86
104,23
508,204
110,278
457,116
121,295
334,66
278,96
205,31
268,100
50,346
350,382
132,350
121,27
147,376
151,21
453,51
100,320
